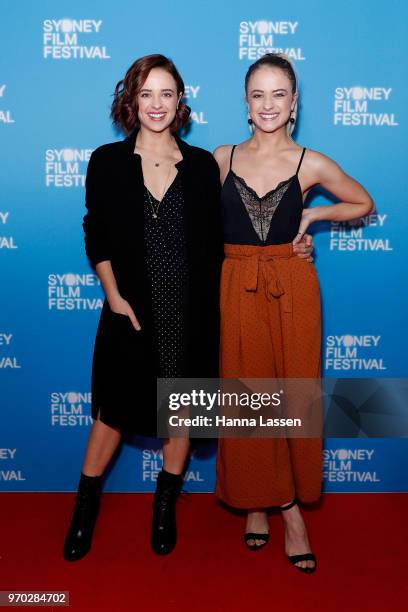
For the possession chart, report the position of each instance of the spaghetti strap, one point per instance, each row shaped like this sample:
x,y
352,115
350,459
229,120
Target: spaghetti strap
x,y
232,153
301,159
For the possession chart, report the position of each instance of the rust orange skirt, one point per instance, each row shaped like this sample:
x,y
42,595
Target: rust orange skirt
x,y
270,327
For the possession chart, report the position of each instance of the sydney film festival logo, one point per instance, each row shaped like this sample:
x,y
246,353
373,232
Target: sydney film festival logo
x,y
8,357
352,352
8,470
349,465
66,167
191,95
70,408
69,292
353,235
71,39
152,463
6,241
256,38
6,116
363,106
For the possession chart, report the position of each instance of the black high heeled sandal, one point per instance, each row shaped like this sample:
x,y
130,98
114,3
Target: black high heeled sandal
x,y
256,536
304,557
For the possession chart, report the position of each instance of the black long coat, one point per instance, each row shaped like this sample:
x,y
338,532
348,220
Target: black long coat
x,y
124,365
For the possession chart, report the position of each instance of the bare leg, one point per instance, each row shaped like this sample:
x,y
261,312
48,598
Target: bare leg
x,y
257,522
175,451
296,540
102,442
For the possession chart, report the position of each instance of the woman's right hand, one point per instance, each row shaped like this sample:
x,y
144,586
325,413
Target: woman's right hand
x,y
120,306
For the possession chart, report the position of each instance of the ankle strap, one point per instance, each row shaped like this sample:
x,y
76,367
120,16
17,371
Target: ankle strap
x,y
290,505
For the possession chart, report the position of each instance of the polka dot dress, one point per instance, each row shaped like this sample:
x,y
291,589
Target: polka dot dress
x,y
168,273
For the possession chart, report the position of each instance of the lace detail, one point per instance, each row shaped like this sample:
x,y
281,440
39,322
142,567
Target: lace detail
x,y
261,210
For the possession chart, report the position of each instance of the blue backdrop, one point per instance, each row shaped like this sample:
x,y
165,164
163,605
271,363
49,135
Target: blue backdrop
x,y
59,65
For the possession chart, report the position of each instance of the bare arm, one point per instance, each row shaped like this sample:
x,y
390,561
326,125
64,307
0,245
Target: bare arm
x,y
355,200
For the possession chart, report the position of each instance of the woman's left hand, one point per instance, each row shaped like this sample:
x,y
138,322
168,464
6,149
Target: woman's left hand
x,y
304,224
304,247
303,243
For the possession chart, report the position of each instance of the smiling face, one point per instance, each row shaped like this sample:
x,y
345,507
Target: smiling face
x,y
270,98
157,100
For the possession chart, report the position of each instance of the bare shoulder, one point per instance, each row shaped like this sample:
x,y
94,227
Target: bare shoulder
x,y
318,161
319,164
222,153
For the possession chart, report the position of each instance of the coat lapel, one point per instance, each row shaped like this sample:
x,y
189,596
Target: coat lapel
x,y
188,174
130,177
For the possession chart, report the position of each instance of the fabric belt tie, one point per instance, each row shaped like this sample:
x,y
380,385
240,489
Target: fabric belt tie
x,y
277,282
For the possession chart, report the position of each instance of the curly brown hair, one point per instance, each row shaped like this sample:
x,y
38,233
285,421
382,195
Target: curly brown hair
x,y
125,107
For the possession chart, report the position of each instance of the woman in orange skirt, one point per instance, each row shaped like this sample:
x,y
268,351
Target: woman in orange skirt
x,y
270,298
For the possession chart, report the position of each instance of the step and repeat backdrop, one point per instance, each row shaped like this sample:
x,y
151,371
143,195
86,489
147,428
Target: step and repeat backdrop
x,y
60,62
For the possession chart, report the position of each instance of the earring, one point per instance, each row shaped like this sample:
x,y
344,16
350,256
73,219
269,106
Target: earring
x,y
250,122
291,118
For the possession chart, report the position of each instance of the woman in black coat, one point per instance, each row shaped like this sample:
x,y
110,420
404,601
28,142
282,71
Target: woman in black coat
x,y
153,236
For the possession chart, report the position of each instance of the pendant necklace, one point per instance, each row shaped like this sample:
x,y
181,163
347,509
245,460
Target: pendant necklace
x,y
155,211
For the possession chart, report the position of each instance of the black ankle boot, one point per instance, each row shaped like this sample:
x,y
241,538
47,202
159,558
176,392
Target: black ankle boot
x,y
79,537
164,532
